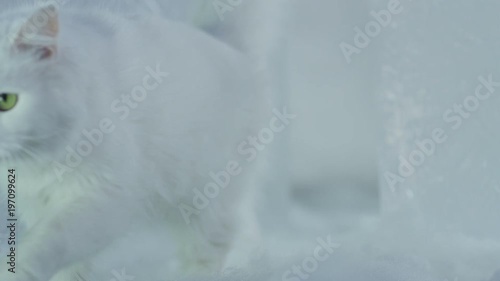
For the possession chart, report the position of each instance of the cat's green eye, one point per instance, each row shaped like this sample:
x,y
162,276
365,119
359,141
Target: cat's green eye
x,y
7,101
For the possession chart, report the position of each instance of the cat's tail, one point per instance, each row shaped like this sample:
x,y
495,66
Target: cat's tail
x,y
252,26
258,28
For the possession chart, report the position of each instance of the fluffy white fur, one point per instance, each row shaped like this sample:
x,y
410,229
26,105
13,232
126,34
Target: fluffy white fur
x,y
128,189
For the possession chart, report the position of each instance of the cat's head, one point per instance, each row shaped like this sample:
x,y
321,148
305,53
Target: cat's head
x,y
38,109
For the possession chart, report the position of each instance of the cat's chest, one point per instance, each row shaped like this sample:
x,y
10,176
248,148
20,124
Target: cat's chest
x,y
42,194
36,197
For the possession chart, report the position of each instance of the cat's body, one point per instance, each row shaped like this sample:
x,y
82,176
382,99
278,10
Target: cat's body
x,y
94,166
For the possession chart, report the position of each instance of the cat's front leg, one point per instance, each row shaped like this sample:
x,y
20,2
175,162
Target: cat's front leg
x,y
77,233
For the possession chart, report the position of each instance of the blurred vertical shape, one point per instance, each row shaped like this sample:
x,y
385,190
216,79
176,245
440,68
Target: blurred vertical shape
x,y
439,159
258,28
333,139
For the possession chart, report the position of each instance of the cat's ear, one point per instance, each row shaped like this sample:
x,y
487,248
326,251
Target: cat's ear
x,y
39,33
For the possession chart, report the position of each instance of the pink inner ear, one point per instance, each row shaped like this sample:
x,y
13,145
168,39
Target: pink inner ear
x,y
47,53
43,23
44,52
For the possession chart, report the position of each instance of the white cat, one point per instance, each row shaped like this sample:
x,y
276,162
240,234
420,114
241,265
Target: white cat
x,y
127,135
